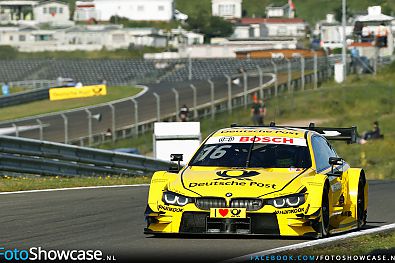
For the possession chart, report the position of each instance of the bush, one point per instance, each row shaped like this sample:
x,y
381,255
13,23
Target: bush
x,y
8,52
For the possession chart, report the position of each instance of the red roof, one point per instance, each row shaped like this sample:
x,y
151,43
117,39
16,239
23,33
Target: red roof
x,y
247,20
361,44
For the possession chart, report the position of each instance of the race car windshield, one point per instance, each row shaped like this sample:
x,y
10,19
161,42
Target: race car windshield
x,y
261,156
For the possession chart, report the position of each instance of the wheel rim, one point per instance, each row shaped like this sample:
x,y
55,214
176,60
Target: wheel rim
x,y
325,215
360,203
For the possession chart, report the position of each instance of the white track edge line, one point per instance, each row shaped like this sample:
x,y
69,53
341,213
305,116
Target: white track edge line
x,y
73,188
310,243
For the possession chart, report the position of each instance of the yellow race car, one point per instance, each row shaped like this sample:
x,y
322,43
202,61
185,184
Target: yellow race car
x,y
271,180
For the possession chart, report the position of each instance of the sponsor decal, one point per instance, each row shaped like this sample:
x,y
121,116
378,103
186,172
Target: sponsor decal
x,y
170,209
257,139
260,131
72,93
239,175
233,183
226,139
228,213
289,211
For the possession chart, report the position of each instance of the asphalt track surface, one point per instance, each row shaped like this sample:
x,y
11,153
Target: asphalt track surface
x,y
111,219
124,111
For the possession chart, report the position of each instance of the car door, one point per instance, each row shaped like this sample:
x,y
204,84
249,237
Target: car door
x,y
322,151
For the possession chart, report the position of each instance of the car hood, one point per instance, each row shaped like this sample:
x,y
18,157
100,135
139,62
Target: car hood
x,y
239,182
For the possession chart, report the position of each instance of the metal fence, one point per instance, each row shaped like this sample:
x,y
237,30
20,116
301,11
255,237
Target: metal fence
x,y
135,115
29,156
34,84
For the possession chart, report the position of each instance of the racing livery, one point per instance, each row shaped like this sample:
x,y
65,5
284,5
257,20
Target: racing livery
x,y
270,180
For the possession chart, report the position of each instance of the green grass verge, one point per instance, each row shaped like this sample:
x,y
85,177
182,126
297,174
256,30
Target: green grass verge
x,y
376,244
17,90
359,102
11,184
47,106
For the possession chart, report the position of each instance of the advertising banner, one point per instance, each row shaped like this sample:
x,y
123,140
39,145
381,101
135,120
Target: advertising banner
x,y
74,92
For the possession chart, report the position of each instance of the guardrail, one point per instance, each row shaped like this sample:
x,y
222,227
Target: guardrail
x,y
24,97
30,156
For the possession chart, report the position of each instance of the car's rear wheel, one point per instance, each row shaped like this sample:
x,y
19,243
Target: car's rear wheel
x,y
361,212
323,226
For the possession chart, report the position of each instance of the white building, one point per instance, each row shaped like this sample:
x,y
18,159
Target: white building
x,y
35,12
270,27
55,12
88,38
84,11
13,11
273,11
228,9
140,10
331,32
179,36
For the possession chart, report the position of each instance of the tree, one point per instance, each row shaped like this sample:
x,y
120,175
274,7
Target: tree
x,y
211,26
339,13
218,27
8,52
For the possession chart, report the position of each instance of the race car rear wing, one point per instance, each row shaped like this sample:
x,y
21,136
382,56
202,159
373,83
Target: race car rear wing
x,y
330,133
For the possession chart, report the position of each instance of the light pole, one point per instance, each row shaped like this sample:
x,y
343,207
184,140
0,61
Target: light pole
x,y
344,48
189,64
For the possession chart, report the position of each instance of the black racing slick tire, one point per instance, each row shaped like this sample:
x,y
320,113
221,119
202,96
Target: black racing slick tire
x,y
361,212
323,224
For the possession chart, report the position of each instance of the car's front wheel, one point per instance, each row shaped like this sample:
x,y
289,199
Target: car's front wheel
x,y
361,212
323,227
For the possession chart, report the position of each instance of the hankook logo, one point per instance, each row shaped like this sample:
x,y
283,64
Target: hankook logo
x,y
239,175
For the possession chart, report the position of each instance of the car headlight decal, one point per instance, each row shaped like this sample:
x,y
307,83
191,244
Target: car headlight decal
x,y
279,202
288,201
293,201
182,200
171,198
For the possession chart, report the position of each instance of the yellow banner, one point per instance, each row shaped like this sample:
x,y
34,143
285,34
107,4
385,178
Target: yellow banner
x,y
72,93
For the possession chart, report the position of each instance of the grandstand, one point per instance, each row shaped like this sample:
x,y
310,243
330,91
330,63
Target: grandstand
x,y
118,71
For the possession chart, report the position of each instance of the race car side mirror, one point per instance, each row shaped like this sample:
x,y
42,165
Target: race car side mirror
x,y
335,161
175,157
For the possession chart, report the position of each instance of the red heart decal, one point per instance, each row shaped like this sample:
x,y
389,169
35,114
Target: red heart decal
x,y
223,212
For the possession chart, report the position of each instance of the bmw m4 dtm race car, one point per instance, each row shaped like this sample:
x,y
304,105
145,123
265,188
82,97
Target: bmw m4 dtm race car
x,y
268,180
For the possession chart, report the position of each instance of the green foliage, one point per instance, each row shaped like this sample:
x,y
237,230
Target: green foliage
x,y
156,24
210,26
8,52
339,13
